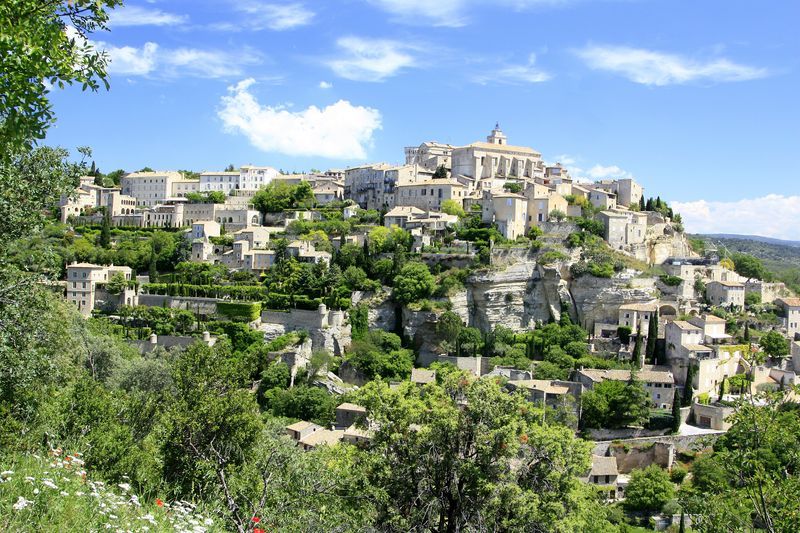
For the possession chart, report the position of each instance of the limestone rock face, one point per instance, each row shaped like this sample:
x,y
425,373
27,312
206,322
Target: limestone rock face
x,y
333,339
599,299
500,297
420,327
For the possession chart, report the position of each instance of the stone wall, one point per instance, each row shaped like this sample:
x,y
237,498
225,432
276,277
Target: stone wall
x,y
642,455
476,365
682,443
203,306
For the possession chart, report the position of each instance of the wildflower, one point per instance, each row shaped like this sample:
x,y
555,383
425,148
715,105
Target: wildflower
x,y
35,492
256,520
208,522
79,493
21,504
124,486
49,483
64,493
159,502
258,530
30,479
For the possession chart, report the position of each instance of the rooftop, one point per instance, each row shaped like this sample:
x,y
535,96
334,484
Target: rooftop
x,y
790,302
302,425
322,436
686,326
351,407
422,375
650,306
542,385
604,466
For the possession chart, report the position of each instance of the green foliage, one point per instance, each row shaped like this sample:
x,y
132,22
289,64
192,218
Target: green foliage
x,y
615,404
278,196
648,490
549,370
552,256
451,207
624,333
440,172
671,281
513,187
380,355
590,225
359,322
413,283
469,479
313,404
37,53
774,344
211,197
245,311
749,266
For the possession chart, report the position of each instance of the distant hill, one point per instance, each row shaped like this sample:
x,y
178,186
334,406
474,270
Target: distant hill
x,y
758,238
777,255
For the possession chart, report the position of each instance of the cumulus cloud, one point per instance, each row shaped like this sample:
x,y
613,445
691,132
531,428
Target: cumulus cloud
x,y
649,67
142,16
153,60
338,131
600,172
516,74
325,85
449,13
371,59
277,17
773,215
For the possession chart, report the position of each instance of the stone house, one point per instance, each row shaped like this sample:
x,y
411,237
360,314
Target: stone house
x,y
791,311
509,210
604,475
628,191
725,293
637,316
657,380
84,280
623,228
348,414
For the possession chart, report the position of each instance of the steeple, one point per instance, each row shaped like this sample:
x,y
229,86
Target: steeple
x,y
497,136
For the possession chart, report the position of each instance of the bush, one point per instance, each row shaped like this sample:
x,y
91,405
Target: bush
x,y
552,256
244,311
671,281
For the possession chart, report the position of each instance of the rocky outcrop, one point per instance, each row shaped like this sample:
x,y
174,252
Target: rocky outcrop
x,y
500,297
599,299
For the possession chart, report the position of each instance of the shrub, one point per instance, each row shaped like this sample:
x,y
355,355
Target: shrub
x,y
671,281
245,311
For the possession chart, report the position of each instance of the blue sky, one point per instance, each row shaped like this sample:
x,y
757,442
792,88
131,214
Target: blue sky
x,y
696,100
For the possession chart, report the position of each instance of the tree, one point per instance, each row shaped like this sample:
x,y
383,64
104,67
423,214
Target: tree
x,y
637,349
413,283
652,338
746,335
451,207
774,344
105,231
449,326
676,412
45,44
688,391
615,404
278,196
444,455
749,266
440,172
648,489
641,203
117,284
230,168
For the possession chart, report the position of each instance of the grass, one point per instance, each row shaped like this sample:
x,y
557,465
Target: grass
x,y
55,493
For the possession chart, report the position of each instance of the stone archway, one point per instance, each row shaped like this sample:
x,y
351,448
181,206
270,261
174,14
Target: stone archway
x,y
667,311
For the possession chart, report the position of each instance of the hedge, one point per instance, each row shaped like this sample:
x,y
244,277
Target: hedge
x,y
247,311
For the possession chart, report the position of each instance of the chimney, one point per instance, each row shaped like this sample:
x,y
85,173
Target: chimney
x,y
206,337
153,338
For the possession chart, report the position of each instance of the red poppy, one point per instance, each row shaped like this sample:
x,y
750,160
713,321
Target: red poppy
x,y
159,502
258,530
256,519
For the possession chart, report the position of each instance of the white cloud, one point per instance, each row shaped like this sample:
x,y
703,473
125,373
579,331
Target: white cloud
x,y
277,17
153,60
325,85
649,67
338,131
773,215
599,172
451,13
371,59
527,73
142,16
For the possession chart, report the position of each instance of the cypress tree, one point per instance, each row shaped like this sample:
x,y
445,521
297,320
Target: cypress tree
x,y
722,388
637,349
747,331
649,206
105,231
676,412
687,389
683,523
652,338
641,203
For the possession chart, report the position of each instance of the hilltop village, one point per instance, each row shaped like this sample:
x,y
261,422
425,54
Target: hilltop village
x,y
585,297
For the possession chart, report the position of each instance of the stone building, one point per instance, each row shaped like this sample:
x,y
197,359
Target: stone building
x,y
725,293
84,279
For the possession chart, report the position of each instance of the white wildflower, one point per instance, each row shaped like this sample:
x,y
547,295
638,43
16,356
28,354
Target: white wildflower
x,y
49,483
64,493
208,522
124,486
79,493
30,479
35,491
22,503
